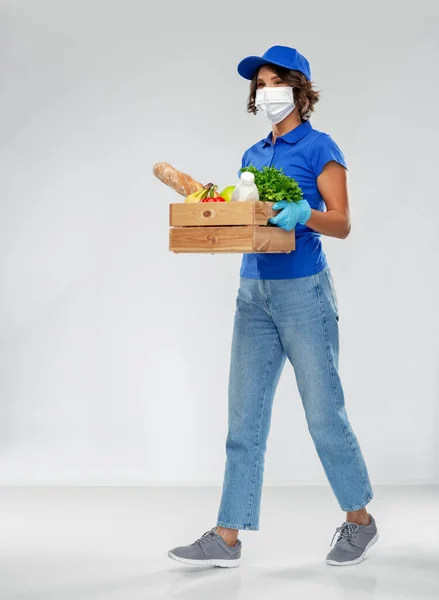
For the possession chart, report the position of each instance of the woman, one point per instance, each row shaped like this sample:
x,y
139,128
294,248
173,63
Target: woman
x,y
287,308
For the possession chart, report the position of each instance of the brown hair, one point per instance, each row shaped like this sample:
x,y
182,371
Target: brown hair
x,y
305,97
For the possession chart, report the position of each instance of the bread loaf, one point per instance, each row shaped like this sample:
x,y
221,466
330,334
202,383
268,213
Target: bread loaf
x,y
180,182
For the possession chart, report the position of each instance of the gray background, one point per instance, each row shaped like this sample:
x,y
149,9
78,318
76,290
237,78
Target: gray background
x,y
114,352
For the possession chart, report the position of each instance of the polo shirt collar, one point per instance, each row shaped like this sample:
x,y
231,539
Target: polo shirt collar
x,y
292,136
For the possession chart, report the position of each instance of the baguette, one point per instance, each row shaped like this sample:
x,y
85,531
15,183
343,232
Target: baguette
x,y
180,182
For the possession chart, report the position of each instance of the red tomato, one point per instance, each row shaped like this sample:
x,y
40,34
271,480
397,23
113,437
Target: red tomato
x,y
218,199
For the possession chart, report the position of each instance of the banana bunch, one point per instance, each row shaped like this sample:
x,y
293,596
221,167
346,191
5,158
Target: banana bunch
x,y
199,195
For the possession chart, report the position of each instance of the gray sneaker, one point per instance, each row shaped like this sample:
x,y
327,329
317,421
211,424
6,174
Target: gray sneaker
x,y
209,549
352,543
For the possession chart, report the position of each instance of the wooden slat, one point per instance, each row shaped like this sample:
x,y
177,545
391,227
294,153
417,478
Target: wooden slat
x,y
211,239
273,239
263,212
239,239
220,213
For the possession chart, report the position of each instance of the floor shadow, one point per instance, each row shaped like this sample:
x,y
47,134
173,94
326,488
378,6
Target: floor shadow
x,y
408,573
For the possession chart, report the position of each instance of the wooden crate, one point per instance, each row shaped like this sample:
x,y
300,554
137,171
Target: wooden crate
x,y
226,227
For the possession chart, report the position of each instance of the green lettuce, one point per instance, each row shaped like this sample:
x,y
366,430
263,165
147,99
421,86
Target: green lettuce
x,y
274,185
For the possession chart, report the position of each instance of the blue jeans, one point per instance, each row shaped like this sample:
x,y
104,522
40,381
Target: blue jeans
x,y
296,319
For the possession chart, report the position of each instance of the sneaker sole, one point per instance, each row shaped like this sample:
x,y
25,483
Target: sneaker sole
x,y
357,560
212,562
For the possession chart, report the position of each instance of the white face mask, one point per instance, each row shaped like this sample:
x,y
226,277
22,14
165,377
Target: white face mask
x,y
275,102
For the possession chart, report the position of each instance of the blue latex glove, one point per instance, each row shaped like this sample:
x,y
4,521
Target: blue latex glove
x,y
291,214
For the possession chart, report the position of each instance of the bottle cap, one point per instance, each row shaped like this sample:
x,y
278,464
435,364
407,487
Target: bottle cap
x,y
247,177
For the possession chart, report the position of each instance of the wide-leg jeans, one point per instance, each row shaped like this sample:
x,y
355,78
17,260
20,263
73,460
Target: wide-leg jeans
x,y
276,319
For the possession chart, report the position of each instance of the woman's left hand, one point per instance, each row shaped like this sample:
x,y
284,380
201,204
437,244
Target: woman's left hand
x,y
291,214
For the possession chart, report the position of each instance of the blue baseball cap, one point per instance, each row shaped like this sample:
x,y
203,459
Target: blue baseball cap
x,y
282,56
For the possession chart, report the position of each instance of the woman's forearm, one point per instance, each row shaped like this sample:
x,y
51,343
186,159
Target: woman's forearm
x,y
332,223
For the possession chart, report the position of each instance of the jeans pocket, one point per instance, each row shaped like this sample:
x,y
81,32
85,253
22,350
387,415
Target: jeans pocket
x,y
333,292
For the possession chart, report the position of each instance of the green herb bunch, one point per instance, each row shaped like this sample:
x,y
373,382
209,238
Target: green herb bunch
x,y
274,185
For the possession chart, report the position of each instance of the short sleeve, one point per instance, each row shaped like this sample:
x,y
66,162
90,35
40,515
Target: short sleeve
x,y
324,150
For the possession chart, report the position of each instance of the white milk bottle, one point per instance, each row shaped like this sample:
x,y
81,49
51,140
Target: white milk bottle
x,y
246,188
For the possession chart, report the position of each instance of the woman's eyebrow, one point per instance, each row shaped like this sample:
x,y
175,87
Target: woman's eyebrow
x,y
271,78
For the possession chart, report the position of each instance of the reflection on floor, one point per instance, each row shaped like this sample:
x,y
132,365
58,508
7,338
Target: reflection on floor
x,y
87,543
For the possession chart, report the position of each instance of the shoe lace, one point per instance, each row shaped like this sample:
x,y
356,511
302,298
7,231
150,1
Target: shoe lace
x,y
208,535
346,530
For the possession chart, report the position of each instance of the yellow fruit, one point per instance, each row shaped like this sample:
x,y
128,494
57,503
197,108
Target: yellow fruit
x,y
192,198
196,196
227,193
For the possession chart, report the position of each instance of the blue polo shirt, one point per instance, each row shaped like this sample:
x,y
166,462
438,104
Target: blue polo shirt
x,y
302,153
